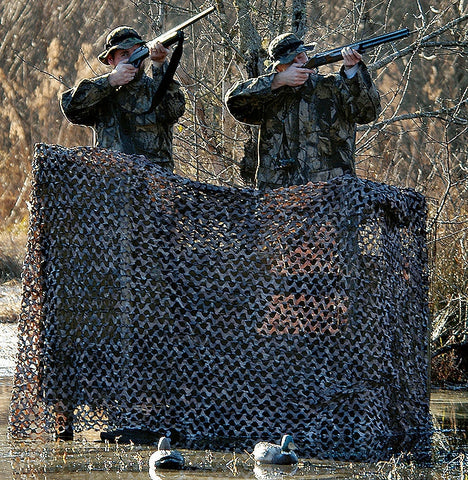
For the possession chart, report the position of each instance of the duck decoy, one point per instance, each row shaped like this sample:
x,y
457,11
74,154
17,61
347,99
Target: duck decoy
x,y
266,453
166,458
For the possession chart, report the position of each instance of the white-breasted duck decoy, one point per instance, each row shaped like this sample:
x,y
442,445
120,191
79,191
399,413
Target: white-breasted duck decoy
x,y
270,454
166,458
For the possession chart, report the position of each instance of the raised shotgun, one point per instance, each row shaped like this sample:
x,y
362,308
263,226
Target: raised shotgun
x,y
361,46
167,39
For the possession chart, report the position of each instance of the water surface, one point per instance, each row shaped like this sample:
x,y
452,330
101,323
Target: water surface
x,y
90,460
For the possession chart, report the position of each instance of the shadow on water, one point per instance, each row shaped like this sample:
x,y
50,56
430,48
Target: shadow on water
x,y
86,460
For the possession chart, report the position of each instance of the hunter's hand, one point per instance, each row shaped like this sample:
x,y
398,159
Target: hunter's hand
x,y
293,76
158,52
350,57
122,74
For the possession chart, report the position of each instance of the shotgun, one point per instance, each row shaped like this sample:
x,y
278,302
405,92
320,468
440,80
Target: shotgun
x,y
167,39
361,46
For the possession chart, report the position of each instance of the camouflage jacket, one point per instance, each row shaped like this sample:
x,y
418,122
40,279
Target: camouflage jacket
x,y
306,133
120,117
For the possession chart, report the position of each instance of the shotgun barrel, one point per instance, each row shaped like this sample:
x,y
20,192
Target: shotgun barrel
x,y
168,38
331,56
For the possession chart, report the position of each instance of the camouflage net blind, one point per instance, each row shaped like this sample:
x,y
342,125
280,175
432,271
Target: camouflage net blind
x,y
222,315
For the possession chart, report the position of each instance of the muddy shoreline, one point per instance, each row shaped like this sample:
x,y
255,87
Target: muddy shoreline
x,y
10,306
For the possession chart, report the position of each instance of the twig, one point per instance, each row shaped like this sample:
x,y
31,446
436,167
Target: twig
x,y
59,79
441,114
87,62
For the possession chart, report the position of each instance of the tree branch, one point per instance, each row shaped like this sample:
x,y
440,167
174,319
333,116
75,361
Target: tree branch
x,y
442,114
45,72
421,43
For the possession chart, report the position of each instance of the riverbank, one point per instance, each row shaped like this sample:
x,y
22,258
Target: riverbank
x,y
10,306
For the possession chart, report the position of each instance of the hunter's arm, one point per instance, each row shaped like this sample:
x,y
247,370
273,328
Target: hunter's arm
x,y
79,103
246,101
363,97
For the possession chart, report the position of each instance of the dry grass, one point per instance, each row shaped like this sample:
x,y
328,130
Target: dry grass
x,y
446,369
10,301
9,268
12,251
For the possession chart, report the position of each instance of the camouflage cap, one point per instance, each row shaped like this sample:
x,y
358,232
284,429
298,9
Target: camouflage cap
x,y
120,38
285,47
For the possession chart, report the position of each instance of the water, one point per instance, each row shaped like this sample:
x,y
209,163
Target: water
x,y
90,460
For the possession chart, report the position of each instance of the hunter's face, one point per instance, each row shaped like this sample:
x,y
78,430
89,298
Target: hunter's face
x,y
121,55
300,58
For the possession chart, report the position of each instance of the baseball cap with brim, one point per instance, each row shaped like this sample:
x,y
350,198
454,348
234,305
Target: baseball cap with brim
x,y
120,38
284,48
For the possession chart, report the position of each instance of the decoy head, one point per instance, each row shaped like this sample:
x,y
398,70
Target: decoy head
x,y
287,443
164,444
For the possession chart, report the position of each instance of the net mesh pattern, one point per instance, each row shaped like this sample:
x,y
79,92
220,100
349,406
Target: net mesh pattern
x,y
222,315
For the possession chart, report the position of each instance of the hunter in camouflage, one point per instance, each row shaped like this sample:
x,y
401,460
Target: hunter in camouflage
x,y
119,105
307,120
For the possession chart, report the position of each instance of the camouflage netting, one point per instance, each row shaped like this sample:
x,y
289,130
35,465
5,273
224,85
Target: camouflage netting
x,y
222,315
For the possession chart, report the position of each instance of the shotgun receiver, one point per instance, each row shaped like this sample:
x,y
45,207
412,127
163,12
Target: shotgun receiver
x,y
167,39
361,46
